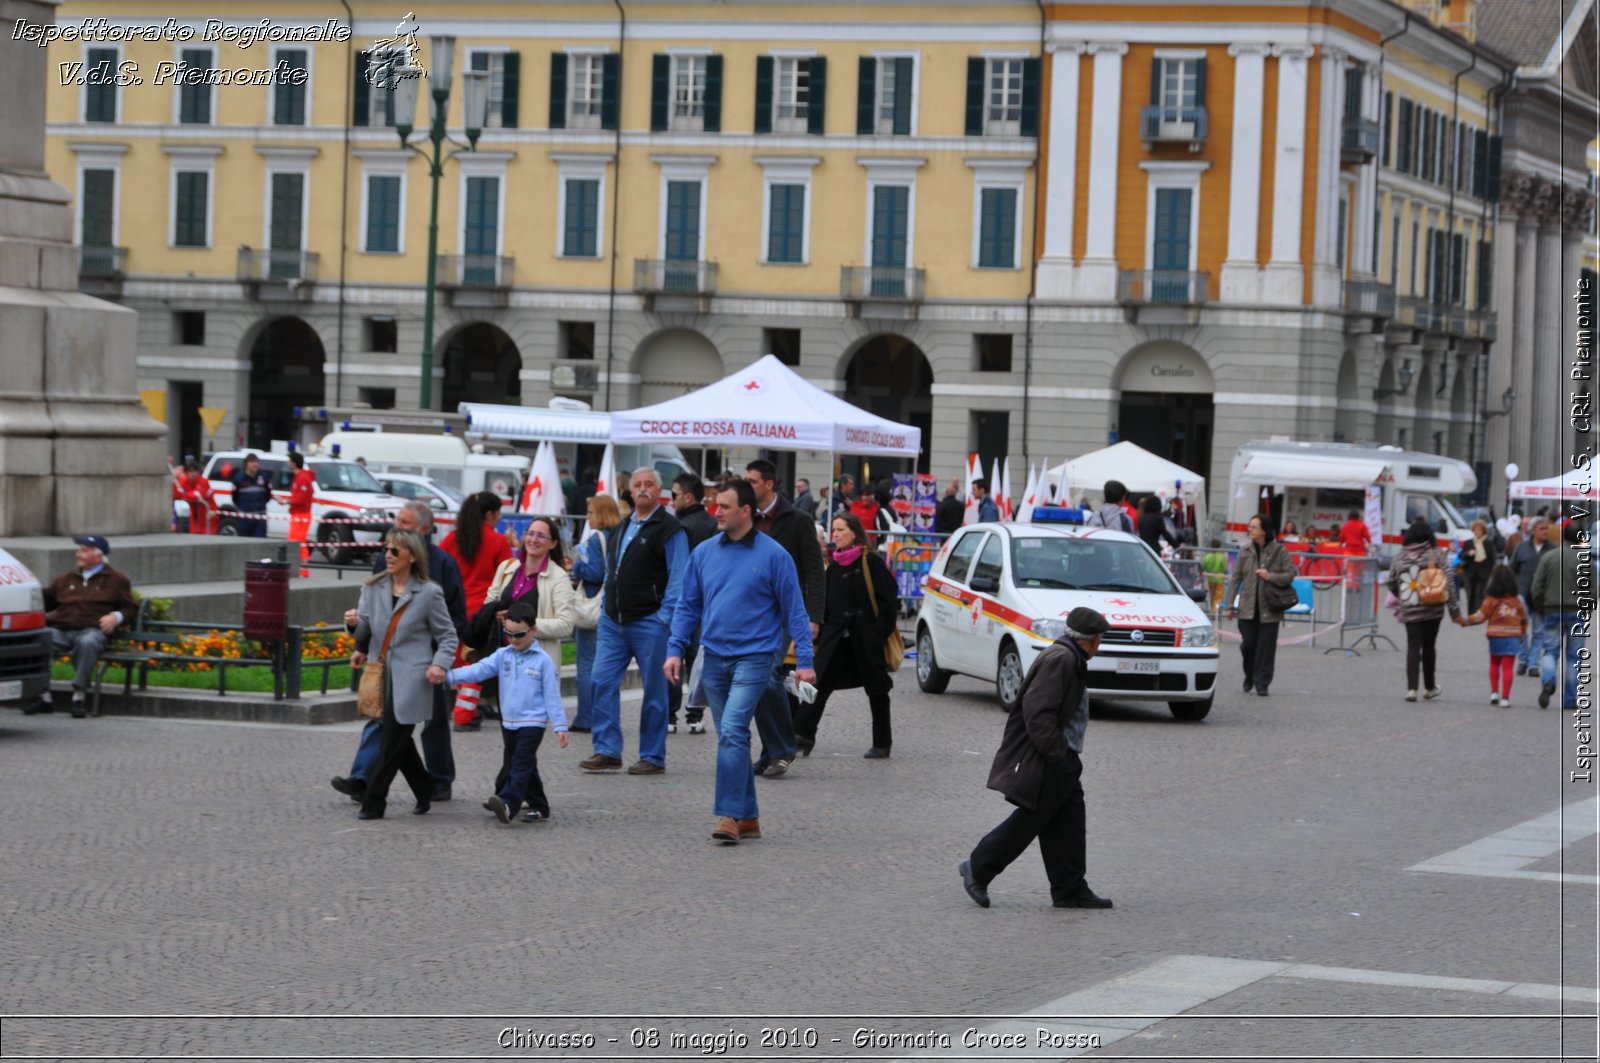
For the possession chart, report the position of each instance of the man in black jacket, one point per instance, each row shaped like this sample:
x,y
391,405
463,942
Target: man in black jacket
x,y
416,517
646,557
1038,770
688,506
797,534
952,511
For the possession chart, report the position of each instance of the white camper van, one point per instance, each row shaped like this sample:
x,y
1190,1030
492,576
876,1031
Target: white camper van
x,y
1318,485
446,458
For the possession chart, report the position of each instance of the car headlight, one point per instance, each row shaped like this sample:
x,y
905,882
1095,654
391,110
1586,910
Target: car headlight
x,y
36,599
374,516
1200,636
1049,629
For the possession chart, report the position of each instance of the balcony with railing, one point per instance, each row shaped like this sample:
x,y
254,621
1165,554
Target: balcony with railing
x,y
1483,324
671,279
1359,142
1159,296
101,269
1368,304
276,274
882,290
474,280
1159,124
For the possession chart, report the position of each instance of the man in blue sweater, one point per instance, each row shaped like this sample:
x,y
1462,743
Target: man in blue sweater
x,y
741,591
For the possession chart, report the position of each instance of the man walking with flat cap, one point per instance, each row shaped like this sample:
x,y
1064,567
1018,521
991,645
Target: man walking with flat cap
x,y
1038,770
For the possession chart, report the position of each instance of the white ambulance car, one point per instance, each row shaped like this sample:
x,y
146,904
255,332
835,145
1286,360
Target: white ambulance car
x,y
24,639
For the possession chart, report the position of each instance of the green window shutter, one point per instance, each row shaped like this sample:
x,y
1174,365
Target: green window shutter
x,y
1171,244
189,225
786,224
683,221
890,224
287,203
483,216
610,78
1491,188
976,69
713,122
1155,82
511,89
817,103
1426,130
383,213
100,100
194,101
764,64
1485,274
1402,151
997,235
1480,163
866,96
558,90
904,71
1388,128
97,197
288,100
1352,91
580,239
362,97
660,92
1200,82
1029,126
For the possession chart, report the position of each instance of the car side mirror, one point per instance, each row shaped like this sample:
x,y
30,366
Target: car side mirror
x,y
984,584
436,502
1200,595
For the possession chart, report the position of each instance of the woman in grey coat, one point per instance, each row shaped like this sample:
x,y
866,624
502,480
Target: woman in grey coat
x,y
422,648
1263,561
1417,555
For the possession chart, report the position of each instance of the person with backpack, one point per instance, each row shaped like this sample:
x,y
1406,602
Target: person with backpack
x,y
1423,581
1112,514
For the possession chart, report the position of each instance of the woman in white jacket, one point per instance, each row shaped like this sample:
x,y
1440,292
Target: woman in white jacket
x,y
538,573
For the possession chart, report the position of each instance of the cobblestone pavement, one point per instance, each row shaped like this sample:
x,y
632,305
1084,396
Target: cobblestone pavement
x,y
171,867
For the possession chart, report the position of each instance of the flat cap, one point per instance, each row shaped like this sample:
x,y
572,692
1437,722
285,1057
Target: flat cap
x,y
1086,623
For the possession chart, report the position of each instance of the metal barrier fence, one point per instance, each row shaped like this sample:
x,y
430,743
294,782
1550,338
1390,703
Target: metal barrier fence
x,y
1338,593
910,556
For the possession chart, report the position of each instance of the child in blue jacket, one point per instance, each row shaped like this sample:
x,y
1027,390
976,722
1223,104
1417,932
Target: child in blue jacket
x,y
530,701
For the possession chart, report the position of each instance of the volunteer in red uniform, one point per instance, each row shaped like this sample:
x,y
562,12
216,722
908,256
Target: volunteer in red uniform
x,y
189,486
301,491
1354,535
479,550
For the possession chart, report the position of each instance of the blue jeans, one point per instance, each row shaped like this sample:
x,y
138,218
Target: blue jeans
x,y
584,717
85,648
1558,637
436,753
252,525
734,686
775,719
644,641
1533,639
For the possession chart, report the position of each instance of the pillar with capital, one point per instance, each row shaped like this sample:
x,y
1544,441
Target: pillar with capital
x,y
78,453
1241,271
1098,270
1283,279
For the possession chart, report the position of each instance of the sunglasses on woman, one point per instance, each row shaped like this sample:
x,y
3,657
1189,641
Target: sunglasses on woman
x,y
393,551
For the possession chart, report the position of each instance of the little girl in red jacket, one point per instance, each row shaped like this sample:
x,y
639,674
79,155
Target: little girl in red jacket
x,y
1502,610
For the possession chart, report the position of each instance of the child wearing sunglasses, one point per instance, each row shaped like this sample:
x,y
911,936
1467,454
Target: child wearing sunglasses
x,y
530,702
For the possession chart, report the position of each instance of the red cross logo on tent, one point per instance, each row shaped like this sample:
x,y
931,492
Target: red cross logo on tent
x,y
754,384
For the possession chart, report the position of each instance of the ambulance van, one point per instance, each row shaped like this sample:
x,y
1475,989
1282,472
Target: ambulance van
x,y
24,639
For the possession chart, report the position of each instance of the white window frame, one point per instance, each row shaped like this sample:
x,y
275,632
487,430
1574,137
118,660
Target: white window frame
x,y
1002,174
1185,175
1003,127
177,88
576,166
309,86
1179,55
287,160
892,171
386,163
877,90
688,123
116,85
682,168
596,56
785,170
99,156
496,113
481,164
192,158
793,123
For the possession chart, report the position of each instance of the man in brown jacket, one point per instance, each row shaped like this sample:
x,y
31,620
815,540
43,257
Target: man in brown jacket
x,y
83,608
1038,770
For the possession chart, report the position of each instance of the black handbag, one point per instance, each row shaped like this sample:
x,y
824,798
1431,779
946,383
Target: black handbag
x,y
1276,599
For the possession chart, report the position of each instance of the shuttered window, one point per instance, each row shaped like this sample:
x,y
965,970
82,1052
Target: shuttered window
x,y
786,224
289,94
383,213
683,221
189,208
100,92
505,85
890,224
1169,249
288,206
194,98
481,237
97,199
997,228
580,234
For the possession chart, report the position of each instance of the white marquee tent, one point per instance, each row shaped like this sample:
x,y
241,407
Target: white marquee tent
x,y
1142,472
766,405
1575,484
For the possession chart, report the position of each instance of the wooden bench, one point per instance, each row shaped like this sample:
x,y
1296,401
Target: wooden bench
x,y
133,647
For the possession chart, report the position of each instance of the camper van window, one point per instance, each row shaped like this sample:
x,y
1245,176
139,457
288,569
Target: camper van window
x,y
1440,514
1340,499
1427,472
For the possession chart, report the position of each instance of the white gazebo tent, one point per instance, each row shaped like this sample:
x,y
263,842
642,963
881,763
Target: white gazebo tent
x,y
767,405
1142,472
1579,483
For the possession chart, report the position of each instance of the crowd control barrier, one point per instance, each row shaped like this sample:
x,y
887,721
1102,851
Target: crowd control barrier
x,y
1339,597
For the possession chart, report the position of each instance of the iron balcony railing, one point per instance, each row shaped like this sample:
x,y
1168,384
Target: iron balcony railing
x,y
257,265
1369,297
474,271
1171,287
1360,141
893,283
1162,125
102,262
674,276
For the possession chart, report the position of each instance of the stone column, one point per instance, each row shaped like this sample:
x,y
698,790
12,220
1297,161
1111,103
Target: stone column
x,y
1499,443
1061,183
1577,206
1550,413
1098,271
78,453
1241,272
1284,277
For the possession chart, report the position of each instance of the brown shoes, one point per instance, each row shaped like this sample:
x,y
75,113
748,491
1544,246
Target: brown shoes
x,y
644,767
749,829
599,763
727,831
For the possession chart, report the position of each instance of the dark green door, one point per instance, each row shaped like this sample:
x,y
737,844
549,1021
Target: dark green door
x,y
682,268
891,205
481,241
1170,253
287,204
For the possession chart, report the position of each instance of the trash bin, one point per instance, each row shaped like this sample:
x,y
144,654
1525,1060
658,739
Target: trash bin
x,y
266,600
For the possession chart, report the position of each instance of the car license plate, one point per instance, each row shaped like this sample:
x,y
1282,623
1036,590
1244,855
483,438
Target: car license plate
x,y
11,690
1139,667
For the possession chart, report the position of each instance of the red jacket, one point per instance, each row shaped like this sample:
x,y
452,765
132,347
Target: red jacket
x,y
477,573
302,491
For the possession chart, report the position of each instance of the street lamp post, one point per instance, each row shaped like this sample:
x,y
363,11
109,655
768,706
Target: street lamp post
x,y
475,90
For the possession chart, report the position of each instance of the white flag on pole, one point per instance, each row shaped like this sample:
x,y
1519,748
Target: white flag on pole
x,y
1030,496
973,473
607,482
